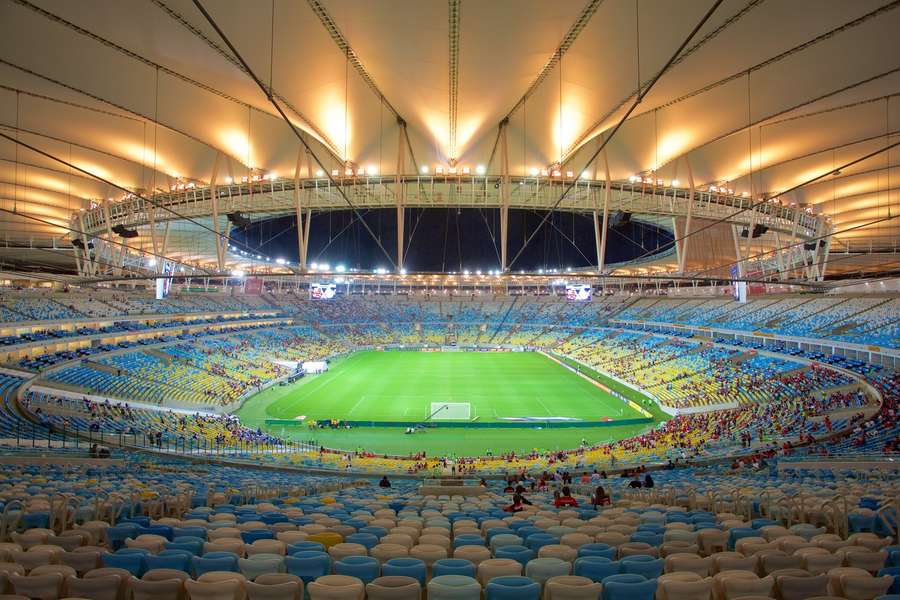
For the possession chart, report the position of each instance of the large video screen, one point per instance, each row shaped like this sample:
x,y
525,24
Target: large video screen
x,y
322,291
579,292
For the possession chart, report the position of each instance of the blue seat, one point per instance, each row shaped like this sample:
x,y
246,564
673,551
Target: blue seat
x,y
518,553
604,550
305,546
133,562
204,564
364,539
453,566
122,551
194,547
524,532
760,523
860,523
36,520
273,518
595,568
491,532
536,540
365,568
140,521
179,562
651,528
378,532
410,567
117,534
647,566
468,539
512,587
628,587
895,572
220,554
308,565
894,558
252,535
197,532
163,530
654,539
737,533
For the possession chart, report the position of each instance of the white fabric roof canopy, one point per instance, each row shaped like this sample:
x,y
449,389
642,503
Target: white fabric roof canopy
x,y
769,94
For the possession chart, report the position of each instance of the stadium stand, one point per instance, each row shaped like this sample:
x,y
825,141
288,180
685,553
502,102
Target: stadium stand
x,y
741,501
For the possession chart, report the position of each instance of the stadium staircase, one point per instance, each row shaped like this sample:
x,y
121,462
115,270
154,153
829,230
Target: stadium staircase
x,y
503,320
850,322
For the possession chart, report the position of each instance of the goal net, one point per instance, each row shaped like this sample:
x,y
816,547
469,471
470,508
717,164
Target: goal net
x,y
451,411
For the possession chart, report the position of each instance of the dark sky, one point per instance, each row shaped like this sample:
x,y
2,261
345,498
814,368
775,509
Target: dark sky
x,y
450,239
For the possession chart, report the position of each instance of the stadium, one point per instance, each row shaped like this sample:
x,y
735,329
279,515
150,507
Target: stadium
x,y
512,299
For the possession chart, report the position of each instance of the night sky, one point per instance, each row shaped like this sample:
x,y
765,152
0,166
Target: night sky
x,y
441,239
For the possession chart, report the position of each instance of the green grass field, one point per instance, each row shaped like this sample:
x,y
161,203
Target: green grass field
x,y
399,386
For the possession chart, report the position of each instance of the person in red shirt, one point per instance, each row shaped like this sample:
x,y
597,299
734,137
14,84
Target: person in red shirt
x,y
565,499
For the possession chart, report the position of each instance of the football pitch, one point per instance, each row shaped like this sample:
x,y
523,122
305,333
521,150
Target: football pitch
x,y
385,391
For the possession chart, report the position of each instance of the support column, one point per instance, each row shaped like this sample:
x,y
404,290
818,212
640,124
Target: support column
x,y
796,249
826,250
400,191
112,260
678,251
214,199
779,258
89,267
305,249
504,196
607,190
686,239
301,255
738,254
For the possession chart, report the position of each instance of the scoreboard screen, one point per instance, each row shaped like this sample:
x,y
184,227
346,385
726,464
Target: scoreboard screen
x,y
322,291
579,292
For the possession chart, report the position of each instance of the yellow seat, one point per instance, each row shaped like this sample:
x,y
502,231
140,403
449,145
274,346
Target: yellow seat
x,y
326,538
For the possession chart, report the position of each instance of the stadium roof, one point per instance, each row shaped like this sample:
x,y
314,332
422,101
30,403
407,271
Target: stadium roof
x,y
767,95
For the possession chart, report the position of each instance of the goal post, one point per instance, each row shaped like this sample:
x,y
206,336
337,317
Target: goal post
x,y
451,411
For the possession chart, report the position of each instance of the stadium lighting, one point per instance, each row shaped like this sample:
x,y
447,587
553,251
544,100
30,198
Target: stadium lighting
x,y
403,271
151,262
320,173
584,175
478,272
534,171
340,269
466,272
675,183
371,170
280,261
238,273
381,271
324,267
439,170
258,257
541,271
424,169
480,169
228,180
314,266
466,170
